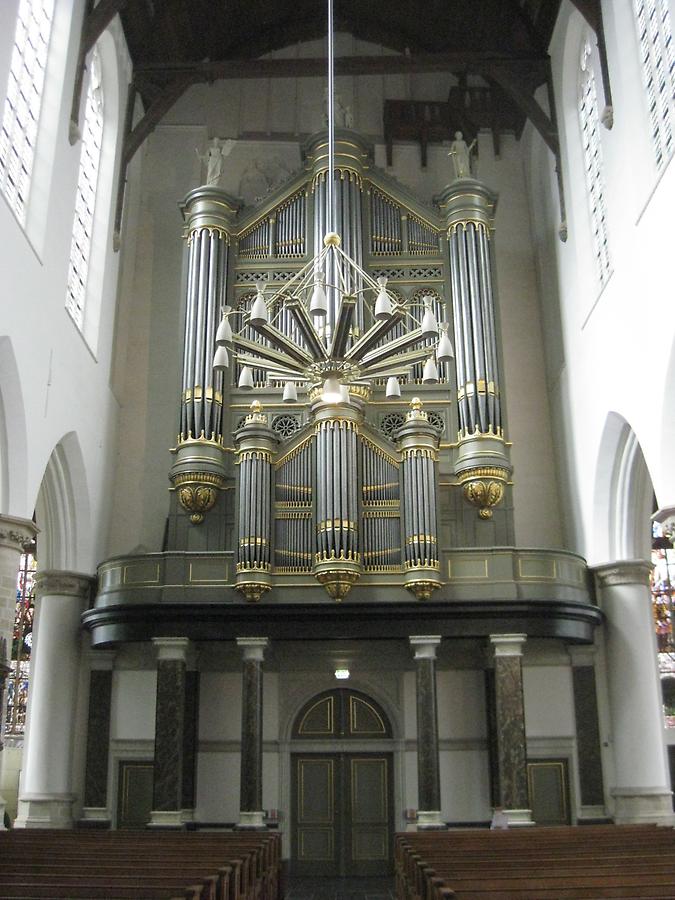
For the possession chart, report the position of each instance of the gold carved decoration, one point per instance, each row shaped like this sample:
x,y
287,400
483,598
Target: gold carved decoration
x,y
483,487
252,591
197,492
337,582
422,589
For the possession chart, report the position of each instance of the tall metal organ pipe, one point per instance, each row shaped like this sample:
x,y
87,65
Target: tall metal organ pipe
x,y
417,440
198,471
482,464
256,444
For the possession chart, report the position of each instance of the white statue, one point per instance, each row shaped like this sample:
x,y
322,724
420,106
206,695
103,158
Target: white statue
x,y
254,184
461,155
343,117
214,156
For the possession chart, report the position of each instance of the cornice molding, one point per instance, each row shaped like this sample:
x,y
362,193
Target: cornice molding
x,y
15,533
53,582
622,572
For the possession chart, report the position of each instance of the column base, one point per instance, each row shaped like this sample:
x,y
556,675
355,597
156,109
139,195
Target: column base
x,y
518,818
95,817
45,811
175,819
430,820
636,805
251,821
593,815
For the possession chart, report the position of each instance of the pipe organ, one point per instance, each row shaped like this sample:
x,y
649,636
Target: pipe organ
x,y
338,499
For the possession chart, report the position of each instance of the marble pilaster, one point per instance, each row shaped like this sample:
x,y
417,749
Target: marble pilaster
x,y
428,768
510,722
171,760
251,813
46,798
641,790
591,791
96,811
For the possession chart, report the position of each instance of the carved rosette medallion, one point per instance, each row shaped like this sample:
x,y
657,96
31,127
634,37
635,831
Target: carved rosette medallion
x,y
483,487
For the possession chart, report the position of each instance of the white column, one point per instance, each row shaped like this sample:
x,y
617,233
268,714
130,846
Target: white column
x,y
15,534
45,794
641,792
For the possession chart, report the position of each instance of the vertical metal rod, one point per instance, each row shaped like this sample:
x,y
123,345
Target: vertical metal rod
x,y
331,122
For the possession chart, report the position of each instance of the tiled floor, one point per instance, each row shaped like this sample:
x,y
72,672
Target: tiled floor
x,y
340,889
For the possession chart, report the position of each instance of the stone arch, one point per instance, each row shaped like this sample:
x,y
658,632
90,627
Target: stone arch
x,y
13,434
623,500
62,509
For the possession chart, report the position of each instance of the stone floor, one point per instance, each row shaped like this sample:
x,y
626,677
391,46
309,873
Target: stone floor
x,y
339,889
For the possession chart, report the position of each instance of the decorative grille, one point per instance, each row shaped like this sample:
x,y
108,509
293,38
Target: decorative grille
x,y
658,72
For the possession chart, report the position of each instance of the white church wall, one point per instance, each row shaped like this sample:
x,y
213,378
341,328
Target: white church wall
x,y
618,341
461,704
64,387
549,702
217,793
465,786
133,705
220,706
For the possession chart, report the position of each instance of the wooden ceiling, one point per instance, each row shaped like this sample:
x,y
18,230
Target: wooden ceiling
x,y
169,31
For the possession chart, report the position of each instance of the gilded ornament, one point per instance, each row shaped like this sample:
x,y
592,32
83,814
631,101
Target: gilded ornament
x,y
197,499
252,591
483,486
422,589
337,582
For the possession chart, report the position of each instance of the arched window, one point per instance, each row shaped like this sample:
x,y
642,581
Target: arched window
x,y
658,72
589,120
21,112
85,200
22,642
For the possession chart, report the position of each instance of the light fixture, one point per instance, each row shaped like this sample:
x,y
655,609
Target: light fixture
x,y
290,393
393,388
383,308
318,306
444,351
430,372
332,391
429,321
259,315
342,674
245,379
221,360
224,332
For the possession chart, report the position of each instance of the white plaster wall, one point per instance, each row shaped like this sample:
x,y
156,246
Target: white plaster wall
x,y
618,343
63,385
461,704
217,795
134,695
549,701
219,706
465,786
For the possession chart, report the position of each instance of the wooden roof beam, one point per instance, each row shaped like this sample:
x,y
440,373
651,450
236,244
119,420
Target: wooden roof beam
x,y
96,20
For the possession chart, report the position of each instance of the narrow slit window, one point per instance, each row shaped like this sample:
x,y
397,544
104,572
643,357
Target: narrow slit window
x,y
85,200
658,73
21,112
589,120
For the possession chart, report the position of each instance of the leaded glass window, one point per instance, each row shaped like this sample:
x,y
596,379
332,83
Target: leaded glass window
x,y
663,606
589,120
85,200
21,112
658,72
22,641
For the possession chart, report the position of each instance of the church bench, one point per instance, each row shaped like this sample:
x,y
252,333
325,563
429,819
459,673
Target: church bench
x,y
253,875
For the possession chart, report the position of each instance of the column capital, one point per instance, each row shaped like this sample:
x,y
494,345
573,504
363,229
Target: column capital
x,y
175,648
101,660
253,647
15,532
582,655
62,583
508,644
622,572
425,645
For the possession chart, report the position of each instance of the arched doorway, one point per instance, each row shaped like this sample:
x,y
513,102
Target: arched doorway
x,y
341,790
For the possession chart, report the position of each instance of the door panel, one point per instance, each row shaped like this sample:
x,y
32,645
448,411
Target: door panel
x,y
342,820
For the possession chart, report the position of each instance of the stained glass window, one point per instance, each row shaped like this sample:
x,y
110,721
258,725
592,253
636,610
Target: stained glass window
x,y
663,605
21,111
589,120
22,641
658,72
85,200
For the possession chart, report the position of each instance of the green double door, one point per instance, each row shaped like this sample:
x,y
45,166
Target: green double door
x,y
342,822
